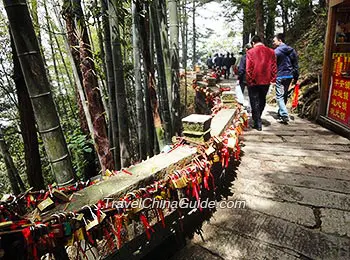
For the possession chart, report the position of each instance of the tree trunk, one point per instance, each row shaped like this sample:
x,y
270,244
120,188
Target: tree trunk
x,y
113,114
124,140
163,95
246,27
194,58
163,22
175,74
322,3
184,36
68,74
10,166
83,111
38,87
154,122
259,12
60,99
138,81
285,21
150,115
27,125
35,17
90,84
72,43
102,74
270,24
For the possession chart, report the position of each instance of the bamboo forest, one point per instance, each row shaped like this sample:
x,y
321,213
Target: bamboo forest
x,y
174,129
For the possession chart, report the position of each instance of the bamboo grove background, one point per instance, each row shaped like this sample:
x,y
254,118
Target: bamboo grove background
x,y
113,71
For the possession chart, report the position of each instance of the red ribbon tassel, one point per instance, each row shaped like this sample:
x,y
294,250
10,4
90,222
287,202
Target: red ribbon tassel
x,y
109,239
296,95
196,194
27,234
147,226
161,215
119,224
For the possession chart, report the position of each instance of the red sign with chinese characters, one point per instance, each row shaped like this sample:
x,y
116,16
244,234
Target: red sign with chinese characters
x,y
339,105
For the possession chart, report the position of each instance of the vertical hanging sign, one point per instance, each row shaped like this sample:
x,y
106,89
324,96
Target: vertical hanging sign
x,y
339,103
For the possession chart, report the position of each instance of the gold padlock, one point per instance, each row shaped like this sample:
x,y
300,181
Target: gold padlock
x,y
216,158
45,204
182,182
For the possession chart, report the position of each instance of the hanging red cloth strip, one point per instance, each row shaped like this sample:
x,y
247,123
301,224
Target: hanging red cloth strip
x,y
161,215
296,96
147,226
119,224
27,234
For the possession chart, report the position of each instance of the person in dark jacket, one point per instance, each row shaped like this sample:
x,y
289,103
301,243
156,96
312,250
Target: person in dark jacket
x,y
227,65
241,70
210,63
261,70
287,71
219,60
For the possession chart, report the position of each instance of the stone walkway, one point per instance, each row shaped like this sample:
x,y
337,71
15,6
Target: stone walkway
x,y
295,180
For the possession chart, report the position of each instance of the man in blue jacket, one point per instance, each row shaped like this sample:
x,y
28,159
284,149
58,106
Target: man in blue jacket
x,y
287,71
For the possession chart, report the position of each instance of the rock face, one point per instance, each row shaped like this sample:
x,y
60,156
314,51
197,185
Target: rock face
x,y
294,180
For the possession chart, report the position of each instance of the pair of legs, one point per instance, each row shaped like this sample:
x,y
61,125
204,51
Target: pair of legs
x,y
282,86
257,97
227,73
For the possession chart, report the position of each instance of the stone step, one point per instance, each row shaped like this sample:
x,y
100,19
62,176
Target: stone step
x,y
231,246
295,131
295,179
335,222
278,150
292,212
300,195
194,252
334,148
292,240
303,161
290,139
259,167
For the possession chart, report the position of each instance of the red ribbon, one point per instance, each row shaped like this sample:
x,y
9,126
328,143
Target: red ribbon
x,y
27,234
147,226
109,239
195,193
161,215
126,171
296,95
119,224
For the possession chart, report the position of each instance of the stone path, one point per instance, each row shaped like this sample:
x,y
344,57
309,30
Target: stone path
x,y
295,180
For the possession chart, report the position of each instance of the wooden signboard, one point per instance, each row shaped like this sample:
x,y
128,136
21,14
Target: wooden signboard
x,y
334,112
338,104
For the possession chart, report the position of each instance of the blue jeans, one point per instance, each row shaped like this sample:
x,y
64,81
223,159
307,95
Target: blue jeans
x,y
282,86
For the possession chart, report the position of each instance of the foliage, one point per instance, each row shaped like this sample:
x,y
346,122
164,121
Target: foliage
x,y
310,47
79,145
304,24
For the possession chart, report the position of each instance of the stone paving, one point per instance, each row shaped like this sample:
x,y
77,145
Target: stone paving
x,y
295,180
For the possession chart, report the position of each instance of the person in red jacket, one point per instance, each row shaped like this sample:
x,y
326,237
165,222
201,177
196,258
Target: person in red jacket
x,y
261,71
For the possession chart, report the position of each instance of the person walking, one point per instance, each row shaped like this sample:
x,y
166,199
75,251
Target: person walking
x,y
236,63
242,68
261,71
227,65
287,71
210,63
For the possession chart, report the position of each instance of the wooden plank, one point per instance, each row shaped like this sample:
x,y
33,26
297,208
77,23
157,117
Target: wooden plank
x,y
221,121
327,60
143,174
335,2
